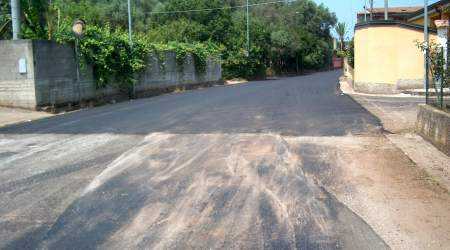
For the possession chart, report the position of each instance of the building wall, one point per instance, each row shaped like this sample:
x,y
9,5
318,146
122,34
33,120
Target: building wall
x,y
52,75
16,89
387,59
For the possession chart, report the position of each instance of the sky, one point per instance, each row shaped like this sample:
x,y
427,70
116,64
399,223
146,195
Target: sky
x,y
346,9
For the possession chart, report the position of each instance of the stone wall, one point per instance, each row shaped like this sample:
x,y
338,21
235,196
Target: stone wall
x,y
52,75
434,125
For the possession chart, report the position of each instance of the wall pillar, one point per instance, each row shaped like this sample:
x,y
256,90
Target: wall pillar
x,y
442,40
442,30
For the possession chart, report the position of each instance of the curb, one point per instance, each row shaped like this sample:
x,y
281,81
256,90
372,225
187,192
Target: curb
x,y
349,91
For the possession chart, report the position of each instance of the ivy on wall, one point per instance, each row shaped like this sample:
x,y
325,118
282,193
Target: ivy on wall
x,y
118,62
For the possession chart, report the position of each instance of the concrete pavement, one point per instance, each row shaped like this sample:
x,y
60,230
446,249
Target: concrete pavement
x,y
399,115
10,116
287,163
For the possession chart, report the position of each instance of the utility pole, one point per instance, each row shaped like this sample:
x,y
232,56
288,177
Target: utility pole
x,y
15,18
386,10
129,22
426,41
371,10
133,90
248,32
365,10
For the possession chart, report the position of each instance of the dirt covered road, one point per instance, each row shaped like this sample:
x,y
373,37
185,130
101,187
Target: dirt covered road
x,y
280,164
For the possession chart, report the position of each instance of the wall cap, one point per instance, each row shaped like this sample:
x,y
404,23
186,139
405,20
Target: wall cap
x,y
434,109
378,23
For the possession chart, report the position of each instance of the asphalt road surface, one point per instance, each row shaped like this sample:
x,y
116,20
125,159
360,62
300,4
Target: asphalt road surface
x,y
237,166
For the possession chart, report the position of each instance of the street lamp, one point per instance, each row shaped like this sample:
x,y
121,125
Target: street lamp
x,y
129,22
78,29
15,18
248,31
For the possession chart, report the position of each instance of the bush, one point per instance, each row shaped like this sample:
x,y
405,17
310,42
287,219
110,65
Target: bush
x,y
350,53
238,64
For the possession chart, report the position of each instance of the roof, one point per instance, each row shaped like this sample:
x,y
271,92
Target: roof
x,y
431,7
395,10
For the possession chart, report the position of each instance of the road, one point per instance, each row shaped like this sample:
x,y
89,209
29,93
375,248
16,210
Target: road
x,y
257,165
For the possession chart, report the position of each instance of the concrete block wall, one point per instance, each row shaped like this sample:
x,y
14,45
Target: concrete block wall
x,y
434,125
171,74
16,89
55,75
52,75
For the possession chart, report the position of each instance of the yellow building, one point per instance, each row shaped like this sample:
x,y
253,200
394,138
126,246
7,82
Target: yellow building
x,y
387,58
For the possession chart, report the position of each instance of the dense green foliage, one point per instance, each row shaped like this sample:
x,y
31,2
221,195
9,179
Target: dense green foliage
x,y
284,37
5,20
113,57
350,53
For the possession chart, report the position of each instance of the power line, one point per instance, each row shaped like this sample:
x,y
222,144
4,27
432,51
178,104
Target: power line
x,y
247,5
221,8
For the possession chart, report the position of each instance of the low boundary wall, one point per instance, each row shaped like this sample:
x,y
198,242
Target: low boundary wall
x,y
434,125
49,76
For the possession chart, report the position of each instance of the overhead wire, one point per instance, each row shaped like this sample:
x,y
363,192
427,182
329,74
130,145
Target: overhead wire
x,y
220,8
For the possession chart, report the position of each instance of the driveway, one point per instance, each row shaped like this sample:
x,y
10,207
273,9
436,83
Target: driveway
x,y
280,164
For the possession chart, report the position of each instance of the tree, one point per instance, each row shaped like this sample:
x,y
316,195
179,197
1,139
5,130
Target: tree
x,y
341,30
5,20
286,37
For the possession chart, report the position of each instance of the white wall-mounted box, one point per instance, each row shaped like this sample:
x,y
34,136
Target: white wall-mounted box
x,y
22,66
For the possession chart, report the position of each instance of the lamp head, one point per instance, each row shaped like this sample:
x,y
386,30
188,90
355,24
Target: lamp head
x,y
78,27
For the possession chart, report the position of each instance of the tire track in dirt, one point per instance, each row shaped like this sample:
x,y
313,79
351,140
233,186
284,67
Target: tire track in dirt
x,y
209,191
